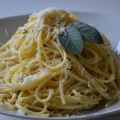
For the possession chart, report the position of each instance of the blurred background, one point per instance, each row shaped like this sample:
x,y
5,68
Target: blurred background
x,y
17,7
20,7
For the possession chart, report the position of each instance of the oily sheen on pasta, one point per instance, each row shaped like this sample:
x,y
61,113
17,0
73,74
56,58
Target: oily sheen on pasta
x,y
39,78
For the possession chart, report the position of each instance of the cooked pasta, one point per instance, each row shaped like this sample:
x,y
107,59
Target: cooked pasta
x,y
40,78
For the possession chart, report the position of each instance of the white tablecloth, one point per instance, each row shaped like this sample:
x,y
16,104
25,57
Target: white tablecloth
x,y
17,7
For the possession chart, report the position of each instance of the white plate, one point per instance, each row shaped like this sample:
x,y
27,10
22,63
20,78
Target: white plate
x,y
109,25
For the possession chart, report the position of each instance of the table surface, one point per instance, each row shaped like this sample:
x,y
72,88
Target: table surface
x,y
18,7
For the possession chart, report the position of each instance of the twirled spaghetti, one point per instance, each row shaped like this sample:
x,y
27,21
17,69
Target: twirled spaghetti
x,y
40,78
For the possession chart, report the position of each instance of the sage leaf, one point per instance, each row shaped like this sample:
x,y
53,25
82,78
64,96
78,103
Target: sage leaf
x,y
72,36
88,32
71,39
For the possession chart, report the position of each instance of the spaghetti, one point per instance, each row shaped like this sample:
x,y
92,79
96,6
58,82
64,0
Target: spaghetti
x,y
38,77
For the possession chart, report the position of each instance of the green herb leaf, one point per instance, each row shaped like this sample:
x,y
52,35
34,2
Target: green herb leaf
x,y
71,40
25,31
72,36
88,32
